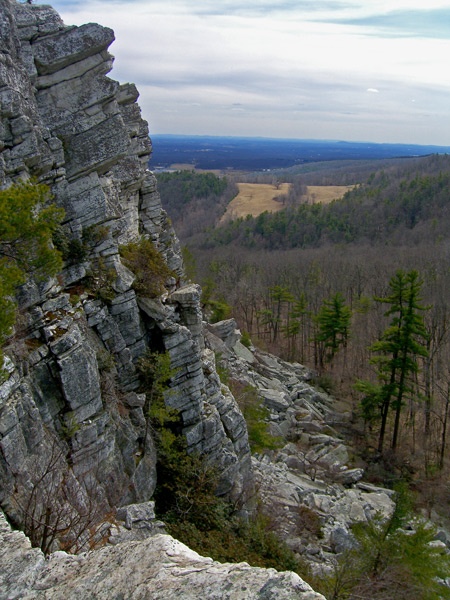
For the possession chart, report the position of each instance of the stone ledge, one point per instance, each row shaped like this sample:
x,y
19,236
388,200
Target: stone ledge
x,y
158,567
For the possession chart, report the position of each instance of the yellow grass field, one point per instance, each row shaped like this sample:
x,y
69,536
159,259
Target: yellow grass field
x,y
326,193
255,198
182,167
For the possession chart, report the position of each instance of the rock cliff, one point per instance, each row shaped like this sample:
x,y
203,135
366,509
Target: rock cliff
x,y
74,433
71,403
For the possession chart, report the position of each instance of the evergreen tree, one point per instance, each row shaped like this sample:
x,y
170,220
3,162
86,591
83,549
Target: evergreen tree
x,y
27,223
333,321
396,353
391,558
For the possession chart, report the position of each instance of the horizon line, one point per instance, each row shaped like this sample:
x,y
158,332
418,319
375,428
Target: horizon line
x,y
315,140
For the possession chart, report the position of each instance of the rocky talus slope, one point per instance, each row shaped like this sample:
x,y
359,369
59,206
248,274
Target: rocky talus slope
x,y
306,486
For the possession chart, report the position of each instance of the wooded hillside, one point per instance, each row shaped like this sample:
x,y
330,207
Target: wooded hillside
x,y
401,206
284,276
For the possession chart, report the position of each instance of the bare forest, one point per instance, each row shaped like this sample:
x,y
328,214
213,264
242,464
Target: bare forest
x,y
319,284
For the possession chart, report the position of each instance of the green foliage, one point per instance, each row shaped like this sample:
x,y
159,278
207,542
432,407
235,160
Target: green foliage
x,y
185,494
222,371
245,339
156,372
75,250
325,382
387,207
27,222
148,265
105,360
396,353
95,234
392,558
70,426
215,308
280,296
194,201
186,483
218,310
256,416
372,399
333,321
100,279
186,185
190,266
236,540
10,277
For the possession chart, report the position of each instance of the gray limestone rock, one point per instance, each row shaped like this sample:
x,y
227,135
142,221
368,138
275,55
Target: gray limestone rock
x,y
64,121
137,515
227,331
158,567
54,52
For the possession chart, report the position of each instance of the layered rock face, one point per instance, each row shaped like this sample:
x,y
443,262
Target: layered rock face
x,y
70,404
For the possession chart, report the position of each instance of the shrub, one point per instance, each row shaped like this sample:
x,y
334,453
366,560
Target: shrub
x,y
27,223
99,281
245,339
148,265
238,540
221,369
389,561
255,415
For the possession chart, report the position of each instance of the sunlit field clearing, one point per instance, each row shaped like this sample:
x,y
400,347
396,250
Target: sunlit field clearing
x,y
326,193
255,198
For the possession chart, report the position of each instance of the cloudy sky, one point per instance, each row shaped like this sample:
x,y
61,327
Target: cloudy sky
x,y
365,70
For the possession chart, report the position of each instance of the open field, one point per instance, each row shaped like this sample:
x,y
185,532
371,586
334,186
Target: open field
x,y
182,167
326,193
255,198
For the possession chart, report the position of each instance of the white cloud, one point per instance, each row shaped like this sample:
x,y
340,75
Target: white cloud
x,y
279,60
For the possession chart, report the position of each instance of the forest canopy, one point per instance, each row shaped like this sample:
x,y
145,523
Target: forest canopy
x,y
387,208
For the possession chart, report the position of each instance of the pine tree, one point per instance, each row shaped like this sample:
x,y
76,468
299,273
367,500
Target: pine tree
x,y
391,558
333,321
279,295
396,353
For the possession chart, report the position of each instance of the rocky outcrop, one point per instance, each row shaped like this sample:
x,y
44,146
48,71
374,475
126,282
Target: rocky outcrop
x,y
307,487
71,402
157,568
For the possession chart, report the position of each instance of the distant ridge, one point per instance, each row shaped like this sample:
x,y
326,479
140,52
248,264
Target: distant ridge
x,y
257,153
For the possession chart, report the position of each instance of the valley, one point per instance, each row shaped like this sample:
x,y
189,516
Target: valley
x,y
254,407
280,274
